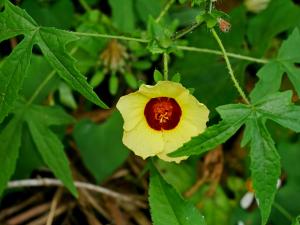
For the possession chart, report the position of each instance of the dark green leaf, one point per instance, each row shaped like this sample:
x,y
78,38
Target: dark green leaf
x,y
146,8
270,22
168,207
10,142
52,14
49,146
279,108
265,167
101,145
52,43
271,74
122,14
12,73
234,116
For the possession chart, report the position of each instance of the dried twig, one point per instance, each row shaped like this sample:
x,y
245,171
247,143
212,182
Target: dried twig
x,y
81,185
54,204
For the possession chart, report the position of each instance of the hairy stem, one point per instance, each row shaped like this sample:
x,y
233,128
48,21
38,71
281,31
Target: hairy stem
x,y
111,36
166,68
230,70
216,52
165,10
185,31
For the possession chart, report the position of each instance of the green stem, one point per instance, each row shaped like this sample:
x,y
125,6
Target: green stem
x,y
184,48
165,10
210,6
85,5
111,36
166,68
44,83
230,70
283,211
216,52
183,32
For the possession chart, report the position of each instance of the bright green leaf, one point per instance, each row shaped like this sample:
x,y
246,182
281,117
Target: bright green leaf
x,y
10,142
265,167
113,84
234,116
157,76
131,80
66,96
49,146
168,207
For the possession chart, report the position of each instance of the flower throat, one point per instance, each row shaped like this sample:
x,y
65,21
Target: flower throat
x,y
162,113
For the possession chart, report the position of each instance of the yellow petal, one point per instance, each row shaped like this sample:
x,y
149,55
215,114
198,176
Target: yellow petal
x,y
163,88
193,111
132,107
175,138
143,140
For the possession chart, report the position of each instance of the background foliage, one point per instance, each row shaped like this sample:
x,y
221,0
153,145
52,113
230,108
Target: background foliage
x,y
61,60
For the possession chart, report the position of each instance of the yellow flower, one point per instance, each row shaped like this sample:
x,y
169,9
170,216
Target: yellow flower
x,y
161,118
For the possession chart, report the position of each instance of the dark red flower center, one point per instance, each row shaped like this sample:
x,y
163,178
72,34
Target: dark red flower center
x,y
162,113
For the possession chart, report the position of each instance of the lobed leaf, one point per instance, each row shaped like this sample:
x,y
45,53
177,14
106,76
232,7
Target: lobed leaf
x,y
12,73
10,142
265,167
234,116
49,146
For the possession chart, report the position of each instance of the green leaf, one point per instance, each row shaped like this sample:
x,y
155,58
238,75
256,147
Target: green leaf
x,y
271,74
270,22
97,78
52,43
296,221
168,207
49,146
66,96
101,145
52,14
270,77
146,8
10,142
279,108
157,76
113,84
131,80
265,167
122,14
234,116
176,77
12,73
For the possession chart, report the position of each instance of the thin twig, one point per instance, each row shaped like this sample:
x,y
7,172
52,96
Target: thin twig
x,y
230,70
53,207
165,10
82,185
